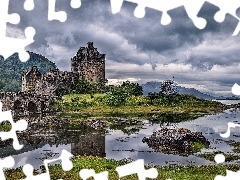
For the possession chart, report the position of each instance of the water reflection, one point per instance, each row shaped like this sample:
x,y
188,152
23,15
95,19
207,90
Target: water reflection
x,y
132,147
43,143
118,142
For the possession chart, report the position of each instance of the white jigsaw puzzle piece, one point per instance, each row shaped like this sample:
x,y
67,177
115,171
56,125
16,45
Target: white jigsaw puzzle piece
x,y
53,15
29,5
220,158
153,4
227,133
76,4
230,175
60,15
227,7
137,167
7,162
236,89
8,45
192,8
18,126
66,166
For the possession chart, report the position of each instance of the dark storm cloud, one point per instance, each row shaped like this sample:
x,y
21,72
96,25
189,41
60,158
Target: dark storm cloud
x,y
127,40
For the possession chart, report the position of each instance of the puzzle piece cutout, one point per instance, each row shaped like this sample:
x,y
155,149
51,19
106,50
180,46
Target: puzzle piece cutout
x,y
220,158
29,5
192,8
137,167
21,125
60,15
8,45
7,162
236,89
52,14
227,133
227,7
66,166
230,175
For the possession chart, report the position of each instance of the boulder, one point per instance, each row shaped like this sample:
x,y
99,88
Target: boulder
x,y
174,140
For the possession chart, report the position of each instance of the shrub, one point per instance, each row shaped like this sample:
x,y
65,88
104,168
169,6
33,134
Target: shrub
x,y
116,99
75,99
132,88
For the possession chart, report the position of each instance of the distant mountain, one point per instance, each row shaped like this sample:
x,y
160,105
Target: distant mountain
x,y
155,87
11,70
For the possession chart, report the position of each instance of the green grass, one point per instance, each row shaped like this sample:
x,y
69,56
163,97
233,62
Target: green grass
x,y
5,127
96,106
197,146
175,172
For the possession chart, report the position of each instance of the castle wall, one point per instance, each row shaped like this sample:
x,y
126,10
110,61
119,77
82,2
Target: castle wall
x,y
52,80
29,79
23,103
93,70
88,63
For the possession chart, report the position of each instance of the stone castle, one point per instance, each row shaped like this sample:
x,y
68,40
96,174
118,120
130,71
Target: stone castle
x,y
88,63
39,89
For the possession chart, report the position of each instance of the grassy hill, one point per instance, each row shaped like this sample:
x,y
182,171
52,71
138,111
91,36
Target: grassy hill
x,y
11,70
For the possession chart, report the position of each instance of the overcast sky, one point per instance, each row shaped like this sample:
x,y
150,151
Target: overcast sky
x,y
138,49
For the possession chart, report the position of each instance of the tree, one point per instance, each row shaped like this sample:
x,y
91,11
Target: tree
x,y
132,88
117,96
168,87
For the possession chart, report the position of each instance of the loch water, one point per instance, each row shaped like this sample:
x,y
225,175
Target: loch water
x,y
125,142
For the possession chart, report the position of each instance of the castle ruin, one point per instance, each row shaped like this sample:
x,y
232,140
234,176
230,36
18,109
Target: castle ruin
x,y
88,63
38,89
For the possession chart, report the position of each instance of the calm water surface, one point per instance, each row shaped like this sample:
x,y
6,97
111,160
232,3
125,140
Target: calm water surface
x,y
120,144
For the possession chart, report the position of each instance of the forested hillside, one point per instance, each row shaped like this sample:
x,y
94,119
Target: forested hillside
x,y
11,70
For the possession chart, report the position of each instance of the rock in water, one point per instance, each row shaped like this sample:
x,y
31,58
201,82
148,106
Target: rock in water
x,y
174,140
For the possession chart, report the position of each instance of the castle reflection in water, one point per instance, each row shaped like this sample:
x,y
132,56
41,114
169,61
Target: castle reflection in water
x,y
82,140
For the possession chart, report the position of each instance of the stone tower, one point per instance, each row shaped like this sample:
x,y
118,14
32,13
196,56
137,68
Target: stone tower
x,y
89,63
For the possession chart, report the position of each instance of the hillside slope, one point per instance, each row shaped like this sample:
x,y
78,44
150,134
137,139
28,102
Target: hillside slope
x,y
155,87
11,70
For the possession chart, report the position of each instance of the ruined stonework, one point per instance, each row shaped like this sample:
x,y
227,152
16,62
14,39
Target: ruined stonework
x,y
89,63
39,89
24,103
54,79
29,79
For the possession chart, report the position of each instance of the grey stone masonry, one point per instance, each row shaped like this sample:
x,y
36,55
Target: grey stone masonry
x,y
23,103
89,63
39,89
